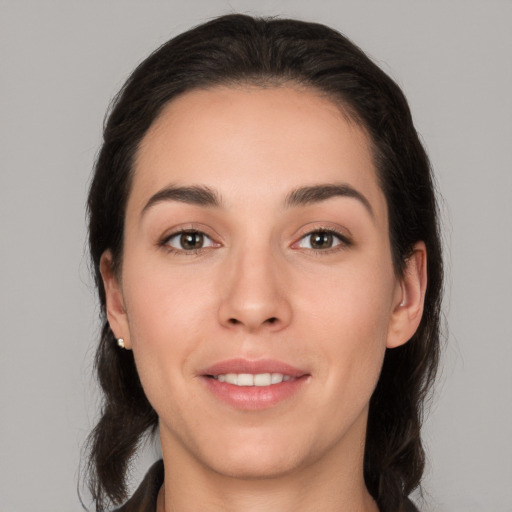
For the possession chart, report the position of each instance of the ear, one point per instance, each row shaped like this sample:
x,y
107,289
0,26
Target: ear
x,y
116,312
409,298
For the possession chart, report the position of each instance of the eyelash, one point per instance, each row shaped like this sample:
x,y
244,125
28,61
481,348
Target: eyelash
x,y
174,250
343,241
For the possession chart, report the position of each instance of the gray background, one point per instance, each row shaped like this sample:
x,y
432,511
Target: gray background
x,y
62,61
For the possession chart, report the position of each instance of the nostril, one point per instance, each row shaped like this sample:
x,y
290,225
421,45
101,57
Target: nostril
x,y
271,321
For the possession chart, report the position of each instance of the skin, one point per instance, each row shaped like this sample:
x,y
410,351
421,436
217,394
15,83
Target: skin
x,y
258,289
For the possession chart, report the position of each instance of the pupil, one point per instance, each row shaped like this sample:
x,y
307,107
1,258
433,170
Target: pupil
x,y
191,241
321,241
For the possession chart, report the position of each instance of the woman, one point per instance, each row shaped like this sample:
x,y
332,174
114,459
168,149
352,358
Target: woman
x,y
262,225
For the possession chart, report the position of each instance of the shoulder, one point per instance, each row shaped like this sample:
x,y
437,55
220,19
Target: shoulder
x,y
144,498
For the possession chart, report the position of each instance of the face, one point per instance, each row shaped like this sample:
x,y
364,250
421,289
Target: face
x,y
257,289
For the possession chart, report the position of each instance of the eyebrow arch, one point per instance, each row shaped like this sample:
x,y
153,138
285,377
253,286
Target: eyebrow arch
x,y
195,194
314,194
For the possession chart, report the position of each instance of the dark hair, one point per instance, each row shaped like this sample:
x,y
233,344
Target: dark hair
x,y
237,49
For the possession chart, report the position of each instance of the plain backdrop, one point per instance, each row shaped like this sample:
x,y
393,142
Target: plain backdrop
x,y
62,61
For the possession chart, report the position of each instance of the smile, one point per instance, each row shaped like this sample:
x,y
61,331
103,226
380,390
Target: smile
x,y
249,379
253,385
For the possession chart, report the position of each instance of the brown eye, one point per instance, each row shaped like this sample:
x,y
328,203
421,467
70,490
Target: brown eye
x,y
189,241
322,240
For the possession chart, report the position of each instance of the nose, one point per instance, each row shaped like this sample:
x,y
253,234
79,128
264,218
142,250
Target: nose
x,y
254,293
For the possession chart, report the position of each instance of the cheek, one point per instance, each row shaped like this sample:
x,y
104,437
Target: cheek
x,y
167,313
349,318
162,303
355,302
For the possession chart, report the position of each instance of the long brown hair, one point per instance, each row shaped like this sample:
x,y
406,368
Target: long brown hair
x,y
240,49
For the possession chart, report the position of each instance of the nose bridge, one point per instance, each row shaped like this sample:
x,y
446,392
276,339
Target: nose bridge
x,y
254,290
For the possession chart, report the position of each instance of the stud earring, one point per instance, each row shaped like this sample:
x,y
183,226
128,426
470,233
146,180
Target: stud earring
x,y
120,343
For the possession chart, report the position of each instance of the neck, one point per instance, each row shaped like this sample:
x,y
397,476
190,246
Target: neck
x,y
270,498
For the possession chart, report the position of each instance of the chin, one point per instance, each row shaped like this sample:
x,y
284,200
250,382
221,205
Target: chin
x,y
257,466
261,456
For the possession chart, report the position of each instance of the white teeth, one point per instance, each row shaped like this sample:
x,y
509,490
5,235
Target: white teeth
x,y
262,379
276,378
248,379
245,379
231,378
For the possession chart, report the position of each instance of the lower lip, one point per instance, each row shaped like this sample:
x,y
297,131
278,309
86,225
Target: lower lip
x,y
254,398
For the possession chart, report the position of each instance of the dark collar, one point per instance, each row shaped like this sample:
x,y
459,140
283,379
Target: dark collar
x,y
144,499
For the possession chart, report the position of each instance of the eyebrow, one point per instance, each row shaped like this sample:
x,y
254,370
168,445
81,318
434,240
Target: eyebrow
x,y
195,194
201,195
314,194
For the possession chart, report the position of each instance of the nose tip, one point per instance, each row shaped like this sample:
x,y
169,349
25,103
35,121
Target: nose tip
x,y
269,313
255,296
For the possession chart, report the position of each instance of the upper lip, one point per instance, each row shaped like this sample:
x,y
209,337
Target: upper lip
x,y
240,365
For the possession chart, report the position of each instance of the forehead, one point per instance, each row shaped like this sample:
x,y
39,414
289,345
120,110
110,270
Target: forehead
x,y
254,141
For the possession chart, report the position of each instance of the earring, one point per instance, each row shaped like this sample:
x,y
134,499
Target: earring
x,y
120,343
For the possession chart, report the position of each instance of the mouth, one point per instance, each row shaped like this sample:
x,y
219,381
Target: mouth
x,y
249,379
254,385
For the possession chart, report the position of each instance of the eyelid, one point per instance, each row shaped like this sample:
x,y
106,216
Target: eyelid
x,y
188,228
343,235
182,232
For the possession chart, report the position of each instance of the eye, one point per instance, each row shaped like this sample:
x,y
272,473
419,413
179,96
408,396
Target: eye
x,y
321,240
189,240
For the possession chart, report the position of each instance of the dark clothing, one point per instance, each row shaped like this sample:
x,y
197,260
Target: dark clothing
x,y
144,499
409,506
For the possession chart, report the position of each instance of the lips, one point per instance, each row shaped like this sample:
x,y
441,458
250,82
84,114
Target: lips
x,y
240,365
253,385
